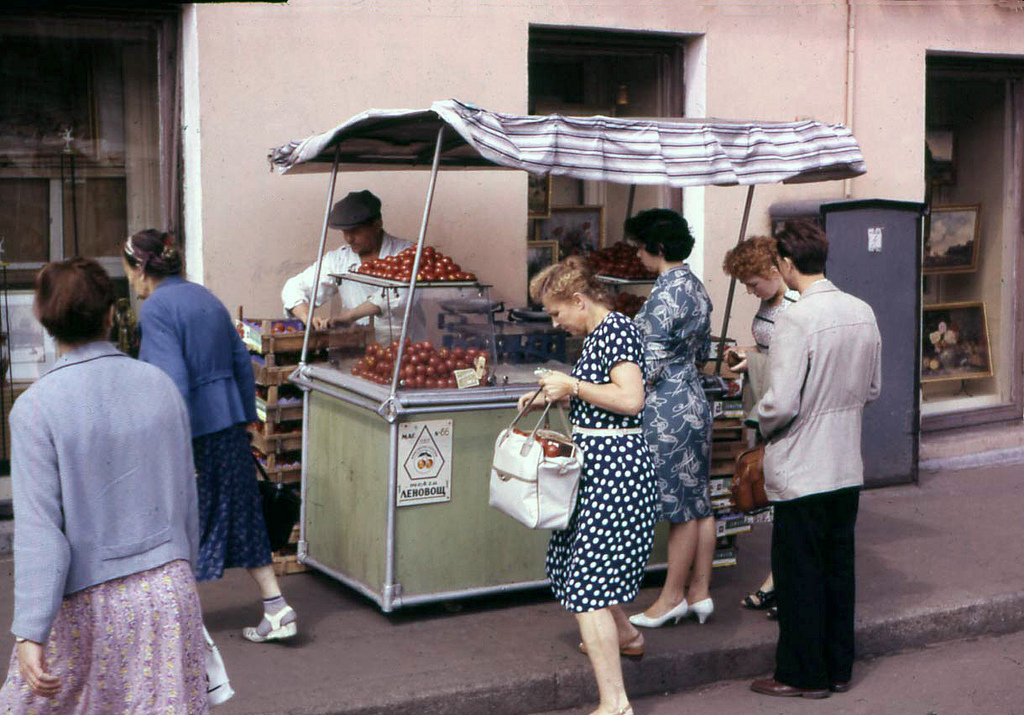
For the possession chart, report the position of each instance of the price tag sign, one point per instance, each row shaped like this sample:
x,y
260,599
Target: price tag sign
x,y
466,378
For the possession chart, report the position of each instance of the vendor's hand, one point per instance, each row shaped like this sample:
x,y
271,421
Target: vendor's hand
x,y
33,670
557,385
740,366
322,323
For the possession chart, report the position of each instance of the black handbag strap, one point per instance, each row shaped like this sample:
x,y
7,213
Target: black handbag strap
x,y
260,469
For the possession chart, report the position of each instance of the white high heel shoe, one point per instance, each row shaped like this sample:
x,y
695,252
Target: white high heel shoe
x,y
702,609
677,613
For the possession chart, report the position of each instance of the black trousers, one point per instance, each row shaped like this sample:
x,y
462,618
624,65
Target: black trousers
x,y
812,561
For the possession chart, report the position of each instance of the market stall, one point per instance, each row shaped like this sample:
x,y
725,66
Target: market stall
x,y
394,469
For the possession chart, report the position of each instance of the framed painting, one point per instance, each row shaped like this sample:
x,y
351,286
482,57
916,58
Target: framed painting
x,y
940,156
32,350
578,230
538,196
539,255
955,342
951,243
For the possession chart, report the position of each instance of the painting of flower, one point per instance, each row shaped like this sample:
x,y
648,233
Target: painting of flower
x,y
955,342
579,230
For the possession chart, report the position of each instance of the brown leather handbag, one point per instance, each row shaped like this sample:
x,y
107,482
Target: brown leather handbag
x,y
748,481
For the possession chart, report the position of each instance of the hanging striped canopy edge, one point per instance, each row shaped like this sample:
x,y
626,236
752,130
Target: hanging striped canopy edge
x,y
626,150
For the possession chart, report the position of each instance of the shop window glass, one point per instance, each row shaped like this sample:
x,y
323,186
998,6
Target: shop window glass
x,y
970,164
79,138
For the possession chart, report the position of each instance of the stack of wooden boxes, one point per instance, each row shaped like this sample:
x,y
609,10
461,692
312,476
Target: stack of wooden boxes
x,y
276,346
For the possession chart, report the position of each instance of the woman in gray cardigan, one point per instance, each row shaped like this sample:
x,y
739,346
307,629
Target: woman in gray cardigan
x,y
106,613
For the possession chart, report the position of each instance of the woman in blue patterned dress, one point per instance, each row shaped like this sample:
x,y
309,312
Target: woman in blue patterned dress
x,y
597,562
676,324
188,333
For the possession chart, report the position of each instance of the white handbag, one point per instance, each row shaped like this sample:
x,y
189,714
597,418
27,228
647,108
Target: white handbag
x,y
529,481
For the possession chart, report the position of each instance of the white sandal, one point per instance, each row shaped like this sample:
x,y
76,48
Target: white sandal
x,y
277,632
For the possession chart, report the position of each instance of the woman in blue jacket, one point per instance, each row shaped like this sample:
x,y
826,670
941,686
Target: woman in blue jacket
x,y
188,333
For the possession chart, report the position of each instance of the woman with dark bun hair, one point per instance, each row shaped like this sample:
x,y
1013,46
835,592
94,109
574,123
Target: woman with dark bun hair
x,y
106,614
676,325
188,333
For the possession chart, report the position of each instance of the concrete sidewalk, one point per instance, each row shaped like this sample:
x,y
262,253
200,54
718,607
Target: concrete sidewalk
x,y
936,562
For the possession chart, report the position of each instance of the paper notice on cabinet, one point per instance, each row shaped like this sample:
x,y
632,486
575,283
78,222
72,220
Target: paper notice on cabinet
x,y
424,462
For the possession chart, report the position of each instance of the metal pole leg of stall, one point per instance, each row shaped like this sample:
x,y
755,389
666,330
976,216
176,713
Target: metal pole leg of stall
x,y
389,410
732,286
320,254
302,358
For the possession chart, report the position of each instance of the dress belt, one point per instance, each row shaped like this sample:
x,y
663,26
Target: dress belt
x,y
609,432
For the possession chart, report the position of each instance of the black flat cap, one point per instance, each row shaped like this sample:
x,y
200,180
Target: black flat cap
x,y
357,208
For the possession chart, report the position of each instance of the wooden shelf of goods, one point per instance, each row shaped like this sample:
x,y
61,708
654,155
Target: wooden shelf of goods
x,y
273,405
285,467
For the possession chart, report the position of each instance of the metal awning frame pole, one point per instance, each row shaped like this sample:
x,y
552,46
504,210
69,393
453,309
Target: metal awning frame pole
x,y
304,470
320,254
387,407
732,285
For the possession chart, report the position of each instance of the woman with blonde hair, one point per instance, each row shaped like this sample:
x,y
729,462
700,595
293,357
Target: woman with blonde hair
x,y
598,561
754,263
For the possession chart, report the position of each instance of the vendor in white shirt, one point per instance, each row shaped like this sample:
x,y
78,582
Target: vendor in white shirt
x,y
358,217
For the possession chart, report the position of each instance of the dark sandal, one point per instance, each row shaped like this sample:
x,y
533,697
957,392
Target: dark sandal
x,y
765,599
773,613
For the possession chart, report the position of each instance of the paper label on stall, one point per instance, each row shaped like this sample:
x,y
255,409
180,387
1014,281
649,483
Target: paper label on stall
x,y
424,462
466,377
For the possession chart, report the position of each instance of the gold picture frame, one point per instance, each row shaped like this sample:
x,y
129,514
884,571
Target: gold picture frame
x,y
952,239
540,255
579,230
538,196
955,343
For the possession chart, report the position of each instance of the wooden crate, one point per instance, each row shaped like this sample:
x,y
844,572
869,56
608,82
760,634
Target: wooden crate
x,y
267,375
286,564
280,468
276,429
274,408
276,338
272,443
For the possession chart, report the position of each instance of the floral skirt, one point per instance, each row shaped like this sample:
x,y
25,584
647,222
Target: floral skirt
x,y
130,645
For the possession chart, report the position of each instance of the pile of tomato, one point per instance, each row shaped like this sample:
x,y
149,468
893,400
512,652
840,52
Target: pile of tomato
x,y
423,366
619,261
628,303
434,266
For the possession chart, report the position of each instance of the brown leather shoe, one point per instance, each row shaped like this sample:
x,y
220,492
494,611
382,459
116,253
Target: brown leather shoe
x,y
840,687
770,686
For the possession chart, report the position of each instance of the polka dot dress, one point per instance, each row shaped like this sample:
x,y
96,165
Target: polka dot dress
x,y
599,559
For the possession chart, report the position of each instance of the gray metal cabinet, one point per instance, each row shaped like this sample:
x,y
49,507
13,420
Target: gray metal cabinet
x,y
875,254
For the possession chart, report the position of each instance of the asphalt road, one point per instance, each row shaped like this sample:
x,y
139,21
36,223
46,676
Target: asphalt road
x,y
982,676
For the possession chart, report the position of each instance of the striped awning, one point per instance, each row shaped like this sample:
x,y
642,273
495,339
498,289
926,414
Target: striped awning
x,y
625,150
